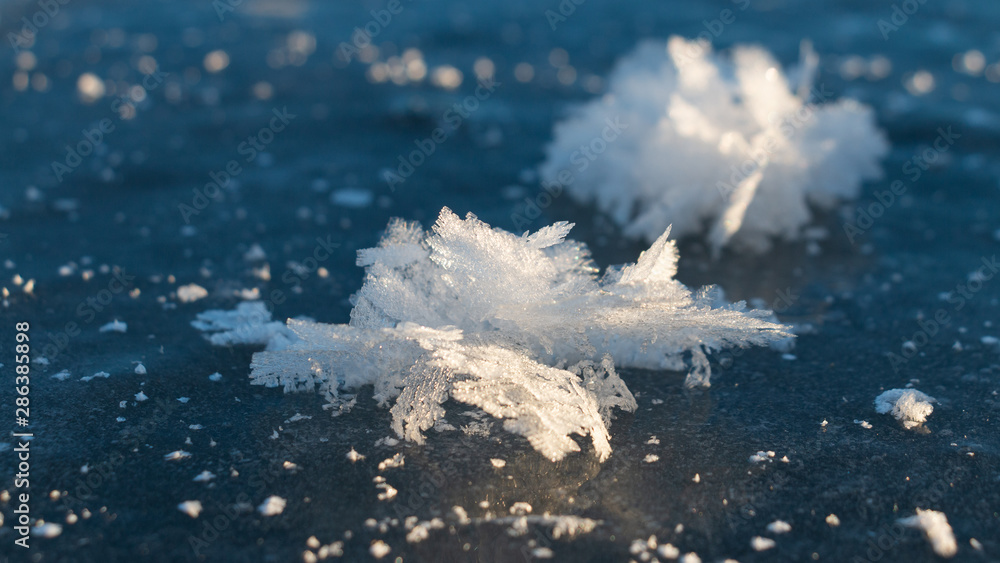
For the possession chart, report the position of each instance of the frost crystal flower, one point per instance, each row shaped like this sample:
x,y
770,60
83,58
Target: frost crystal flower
x,y
518,326
716,144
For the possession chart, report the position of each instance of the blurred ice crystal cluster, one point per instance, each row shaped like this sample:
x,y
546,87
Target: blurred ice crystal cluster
x,y
521,327
729,147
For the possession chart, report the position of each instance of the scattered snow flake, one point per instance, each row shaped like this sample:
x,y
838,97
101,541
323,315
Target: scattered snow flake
x,y
454,314
833,520
40,360
354,198
990,341
704,139
274,435
864,424
653,441
651,458
976,544
204,477
498,463
759,543
140,396
354,456
190,507
542,553
392,462
140,369
255,253
936,529
62,375
789,357
114,326
779,527
120,419
460,515
215,377
195,427
191,293
379,549
183,399
46,530
272,506
656,401
909,406
520,508
696,478
101,374
824,423
387,441
668,551
690,558
758,457
297,417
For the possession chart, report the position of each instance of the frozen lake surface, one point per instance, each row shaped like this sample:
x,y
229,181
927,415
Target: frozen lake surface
x,y
259,94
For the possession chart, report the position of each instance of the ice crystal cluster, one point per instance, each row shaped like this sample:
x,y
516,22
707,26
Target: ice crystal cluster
x,y
728,146
521,327
909,406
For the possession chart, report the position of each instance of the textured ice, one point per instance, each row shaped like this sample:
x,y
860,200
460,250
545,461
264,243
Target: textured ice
x,y
724,146
518,326
935,526
909,406
249,323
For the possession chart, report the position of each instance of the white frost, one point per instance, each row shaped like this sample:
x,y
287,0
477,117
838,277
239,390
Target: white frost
x,y
190,507
519,326
909,406
724,146
937,530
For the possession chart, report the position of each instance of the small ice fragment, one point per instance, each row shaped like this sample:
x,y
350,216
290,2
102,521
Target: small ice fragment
x,y
274,435
759,457
179,454
832,520
498,463
653,440
379,549
668,551
520,508
297,417
62,375
697,478
114,326
355,198
204,477
195,427
190,507
824,423
255,253
937,530
354,456
140,369
391,463
460,515
140,396
215,377
779,527
990,341
191,292
864,423
184,399
272,506
789,357
388,491
759,543
909,406
46,530
651,458
542,553
103,374
690,558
